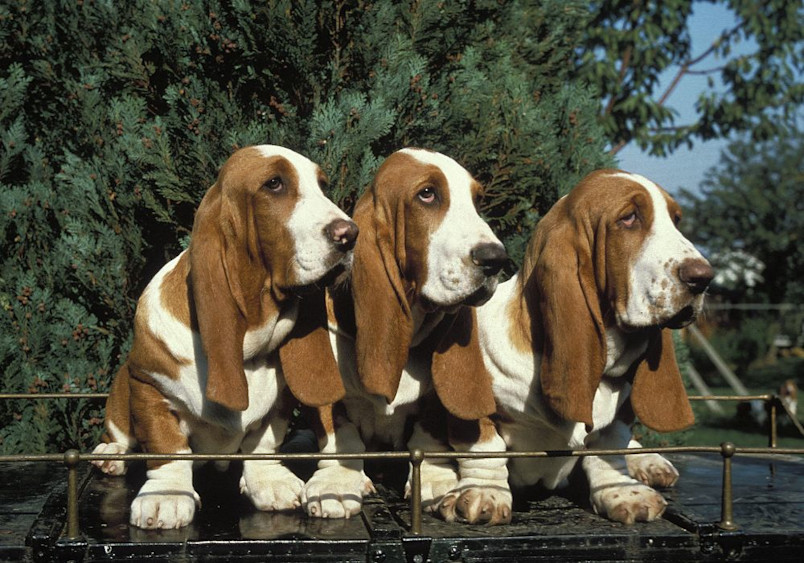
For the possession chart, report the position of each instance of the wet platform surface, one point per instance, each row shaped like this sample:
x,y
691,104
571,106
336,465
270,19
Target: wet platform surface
x,y
24,490
768,495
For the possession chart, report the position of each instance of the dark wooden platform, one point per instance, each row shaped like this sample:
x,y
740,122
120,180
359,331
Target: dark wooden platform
x,y
768,493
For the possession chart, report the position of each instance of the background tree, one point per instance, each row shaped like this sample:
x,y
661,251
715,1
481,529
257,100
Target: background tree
x,y
749,215
115,116
630,44
753,202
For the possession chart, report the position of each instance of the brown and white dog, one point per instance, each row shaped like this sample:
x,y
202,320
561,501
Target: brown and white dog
x,y
201,375
405,338
578,341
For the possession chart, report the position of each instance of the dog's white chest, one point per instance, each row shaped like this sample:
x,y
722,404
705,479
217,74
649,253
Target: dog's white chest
x,y
377,419
187,394
513,372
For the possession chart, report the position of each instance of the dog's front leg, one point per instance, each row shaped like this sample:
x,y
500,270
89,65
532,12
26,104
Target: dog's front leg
x,y
612,491
267,483
438,475
482,494
337,487
167,499
118,438
652,470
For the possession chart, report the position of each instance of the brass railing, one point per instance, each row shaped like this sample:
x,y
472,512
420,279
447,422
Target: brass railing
x,y
774,403
727,450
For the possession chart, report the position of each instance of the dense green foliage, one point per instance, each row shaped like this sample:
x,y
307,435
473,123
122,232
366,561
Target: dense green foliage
x,y
757,64
116,115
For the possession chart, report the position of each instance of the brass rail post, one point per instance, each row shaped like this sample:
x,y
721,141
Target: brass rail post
x,y
774,400
71,459
416,458
727,450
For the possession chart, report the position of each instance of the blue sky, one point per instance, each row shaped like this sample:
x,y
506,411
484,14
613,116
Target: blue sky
x,y
685,167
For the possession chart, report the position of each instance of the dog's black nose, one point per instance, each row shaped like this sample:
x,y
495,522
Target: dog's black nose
x,y
343,233
696,273
490,256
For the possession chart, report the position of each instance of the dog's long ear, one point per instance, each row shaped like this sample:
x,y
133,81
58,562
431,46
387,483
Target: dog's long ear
x,y
307,359
382,312
215,260
567,322
459,374
658,397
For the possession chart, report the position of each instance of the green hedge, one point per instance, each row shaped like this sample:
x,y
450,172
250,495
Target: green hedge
x,y
116,115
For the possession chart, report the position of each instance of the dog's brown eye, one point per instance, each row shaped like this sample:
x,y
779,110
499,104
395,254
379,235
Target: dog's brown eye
x,y
274,184
427,195
677,219
629,220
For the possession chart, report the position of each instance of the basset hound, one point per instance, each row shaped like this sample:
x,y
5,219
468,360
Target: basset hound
x,y
579,340
203,374
404,333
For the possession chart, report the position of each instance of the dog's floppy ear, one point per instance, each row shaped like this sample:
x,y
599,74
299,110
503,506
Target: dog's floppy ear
x,y
382,312
459,374
658,397
565,311
216,257
308,362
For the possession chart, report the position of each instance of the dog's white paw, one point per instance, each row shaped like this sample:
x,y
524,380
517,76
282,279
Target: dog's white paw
x,y
437,480
476,501
111,467
271,486
336,491
652,470
628,502
164,504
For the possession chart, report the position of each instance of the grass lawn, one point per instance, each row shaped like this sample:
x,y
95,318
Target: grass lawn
x,y
705,435
711,429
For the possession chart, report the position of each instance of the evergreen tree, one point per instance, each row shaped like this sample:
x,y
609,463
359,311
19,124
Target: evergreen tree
x,y
115,116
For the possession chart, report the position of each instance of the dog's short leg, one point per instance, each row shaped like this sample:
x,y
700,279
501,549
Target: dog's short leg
x,y
482,495
438,476
652,470
269,484
337,488
612,492
111,466
167,499
118,438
